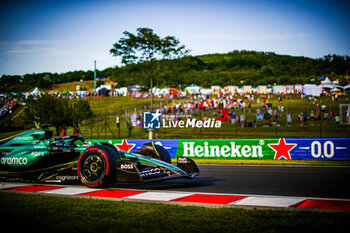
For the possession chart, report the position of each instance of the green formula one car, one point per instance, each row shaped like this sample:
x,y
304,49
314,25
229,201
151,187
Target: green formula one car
x,y
36,156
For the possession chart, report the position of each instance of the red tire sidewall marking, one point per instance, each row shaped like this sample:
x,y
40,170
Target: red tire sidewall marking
x,y
104,155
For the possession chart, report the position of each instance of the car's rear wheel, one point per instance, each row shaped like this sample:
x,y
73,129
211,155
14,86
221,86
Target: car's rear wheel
x,y
97,166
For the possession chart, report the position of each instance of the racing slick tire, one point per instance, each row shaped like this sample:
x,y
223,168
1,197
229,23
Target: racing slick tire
x,y
155,151
97,166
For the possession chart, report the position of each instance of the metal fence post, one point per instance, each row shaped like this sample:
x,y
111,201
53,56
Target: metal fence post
x,y
91,127
236,129
276,130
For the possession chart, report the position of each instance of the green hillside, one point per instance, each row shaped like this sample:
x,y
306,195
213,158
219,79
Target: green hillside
x,y
235,68
238,68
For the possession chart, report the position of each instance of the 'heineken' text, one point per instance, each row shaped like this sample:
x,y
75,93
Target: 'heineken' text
x,y
232,150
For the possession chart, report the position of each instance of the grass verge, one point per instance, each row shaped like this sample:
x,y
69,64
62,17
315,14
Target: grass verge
x,y
42,213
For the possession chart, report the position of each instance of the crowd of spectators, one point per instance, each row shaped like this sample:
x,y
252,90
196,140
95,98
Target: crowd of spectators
x,y
237,107
7,106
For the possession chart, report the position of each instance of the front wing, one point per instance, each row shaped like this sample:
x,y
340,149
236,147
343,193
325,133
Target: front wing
x,y
131,172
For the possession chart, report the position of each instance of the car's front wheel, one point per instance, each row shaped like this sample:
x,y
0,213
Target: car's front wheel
x,y
97,166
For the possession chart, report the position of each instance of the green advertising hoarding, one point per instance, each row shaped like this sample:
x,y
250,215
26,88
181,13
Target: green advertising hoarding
x,y
226,148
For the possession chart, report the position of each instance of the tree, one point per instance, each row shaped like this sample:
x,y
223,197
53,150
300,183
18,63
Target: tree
x,y
146,48
80,111
56,111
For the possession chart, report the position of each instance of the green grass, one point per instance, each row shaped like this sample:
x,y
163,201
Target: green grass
x,y
112,105
71,86
41,213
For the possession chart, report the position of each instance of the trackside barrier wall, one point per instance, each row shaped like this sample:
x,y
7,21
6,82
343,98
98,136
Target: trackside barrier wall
x,y
268,149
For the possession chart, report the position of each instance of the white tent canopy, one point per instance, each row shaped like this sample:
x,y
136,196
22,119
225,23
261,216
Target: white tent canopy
x,y
193,89
35,92
327,83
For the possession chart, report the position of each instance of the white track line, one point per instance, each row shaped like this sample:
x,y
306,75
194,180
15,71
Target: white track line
x,y
8,186
69,191
158,196
268,201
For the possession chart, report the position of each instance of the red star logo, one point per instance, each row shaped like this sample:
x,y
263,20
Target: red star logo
x,y
282,149
125,146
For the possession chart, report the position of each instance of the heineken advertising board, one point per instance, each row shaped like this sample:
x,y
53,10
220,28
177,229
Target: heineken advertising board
x,y
274,149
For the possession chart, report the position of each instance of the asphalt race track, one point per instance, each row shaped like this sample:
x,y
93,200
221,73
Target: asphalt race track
x,y
301,181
